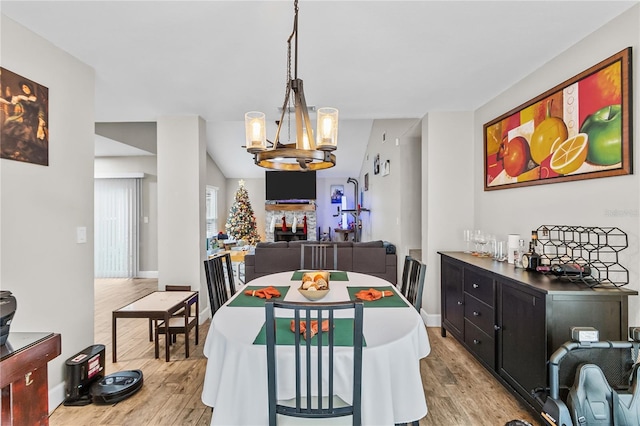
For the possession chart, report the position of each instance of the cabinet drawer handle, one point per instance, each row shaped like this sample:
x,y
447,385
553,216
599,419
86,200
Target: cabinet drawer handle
x,y
459,302
475,285
497,327
476,341
476,313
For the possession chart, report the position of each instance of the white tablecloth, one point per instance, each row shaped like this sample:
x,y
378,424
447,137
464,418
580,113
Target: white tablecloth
x,y
235,381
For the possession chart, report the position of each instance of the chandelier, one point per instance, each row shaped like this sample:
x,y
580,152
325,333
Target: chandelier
x,y
305,153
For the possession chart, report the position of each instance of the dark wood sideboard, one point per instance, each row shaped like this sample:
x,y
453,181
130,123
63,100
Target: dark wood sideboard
x,y
23,377
512,320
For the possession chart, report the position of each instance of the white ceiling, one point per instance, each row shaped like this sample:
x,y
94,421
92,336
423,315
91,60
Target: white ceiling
x,y
370,59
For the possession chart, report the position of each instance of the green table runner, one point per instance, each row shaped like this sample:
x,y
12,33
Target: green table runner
x,y
242,300
394,301
333,276
343,334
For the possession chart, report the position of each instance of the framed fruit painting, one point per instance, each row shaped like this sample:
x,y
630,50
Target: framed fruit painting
x,y
580,129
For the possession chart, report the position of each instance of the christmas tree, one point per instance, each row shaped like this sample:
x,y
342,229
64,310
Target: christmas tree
x,y
241,224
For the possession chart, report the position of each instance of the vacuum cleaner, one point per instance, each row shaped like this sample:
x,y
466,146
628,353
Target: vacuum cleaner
x,y
86,382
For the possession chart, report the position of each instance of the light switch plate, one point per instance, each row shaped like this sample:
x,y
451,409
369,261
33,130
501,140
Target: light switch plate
x,y
81,234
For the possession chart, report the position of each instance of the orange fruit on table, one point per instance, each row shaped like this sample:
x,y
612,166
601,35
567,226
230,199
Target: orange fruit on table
x,y
570,154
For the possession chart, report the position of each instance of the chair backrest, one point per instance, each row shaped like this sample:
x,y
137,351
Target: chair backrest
x,y
413,276
317,256
219,273
314,360
171,287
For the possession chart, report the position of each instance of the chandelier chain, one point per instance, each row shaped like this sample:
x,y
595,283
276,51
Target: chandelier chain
x,y
287,93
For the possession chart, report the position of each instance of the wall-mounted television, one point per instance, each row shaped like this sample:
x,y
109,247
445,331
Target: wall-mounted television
x,y
290,186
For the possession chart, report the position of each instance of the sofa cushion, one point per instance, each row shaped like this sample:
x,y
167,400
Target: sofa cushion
x,y
369,259
275,259
391,249
277,244
377,243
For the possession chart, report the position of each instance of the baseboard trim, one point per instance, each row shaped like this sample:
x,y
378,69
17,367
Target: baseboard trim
x,y
430,320
204,315
147,274
57,394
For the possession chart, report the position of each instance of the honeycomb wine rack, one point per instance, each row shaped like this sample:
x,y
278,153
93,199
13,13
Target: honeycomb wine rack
x,y
596,247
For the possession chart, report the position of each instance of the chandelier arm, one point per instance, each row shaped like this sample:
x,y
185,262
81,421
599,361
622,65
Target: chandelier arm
x,y
302,114
284,109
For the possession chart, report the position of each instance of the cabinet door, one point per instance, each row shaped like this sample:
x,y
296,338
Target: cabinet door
x,y
522,355
452,299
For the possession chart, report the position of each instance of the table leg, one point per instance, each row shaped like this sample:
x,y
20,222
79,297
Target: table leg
x,y
167,336
197,316
187,310
113,337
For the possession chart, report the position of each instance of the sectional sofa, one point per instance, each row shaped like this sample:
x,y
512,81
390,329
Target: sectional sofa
x,y
376,258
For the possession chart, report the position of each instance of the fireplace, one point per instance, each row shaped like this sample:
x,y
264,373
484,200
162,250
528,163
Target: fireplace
x,y
273,221
288,235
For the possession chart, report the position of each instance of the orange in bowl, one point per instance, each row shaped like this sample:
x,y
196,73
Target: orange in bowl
x,y
315,285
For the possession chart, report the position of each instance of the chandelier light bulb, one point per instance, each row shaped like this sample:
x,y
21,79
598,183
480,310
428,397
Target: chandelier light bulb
x,y
327,129
256,135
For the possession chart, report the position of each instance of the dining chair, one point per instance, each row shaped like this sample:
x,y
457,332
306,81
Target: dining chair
x,y
220,282
179,324
314,364
154,323
413,275
318,256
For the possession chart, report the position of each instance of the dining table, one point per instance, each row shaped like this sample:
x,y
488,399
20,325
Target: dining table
x,y
235,382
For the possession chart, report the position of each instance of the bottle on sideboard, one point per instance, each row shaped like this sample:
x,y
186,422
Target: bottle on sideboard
x,y
518,254
566,269
531,259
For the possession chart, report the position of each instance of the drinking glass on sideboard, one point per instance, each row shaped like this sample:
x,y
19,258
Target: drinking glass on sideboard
x,y
466,240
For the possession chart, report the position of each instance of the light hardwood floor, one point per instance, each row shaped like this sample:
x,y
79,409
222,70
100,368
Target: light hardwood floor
x,y
458,390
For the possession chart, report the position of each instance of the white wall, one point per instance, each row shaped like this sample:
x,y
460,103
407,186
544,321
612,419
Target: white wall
x,y
149,209
142,135
447,195
388,196
587,202
182,173
49,273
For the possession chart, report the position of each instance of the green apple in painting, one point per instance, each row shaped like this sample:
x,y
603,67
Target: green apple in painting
x,y
604,128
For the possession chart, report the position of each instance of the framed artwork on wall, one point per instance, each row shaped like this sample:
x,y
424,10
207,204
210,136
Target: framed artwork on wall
x,y
376,164
386,168
580,129
24,119
337,191
366,182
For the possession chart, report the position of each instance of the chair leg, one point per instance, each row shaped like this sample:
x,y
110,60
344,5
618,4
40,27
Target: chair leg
x,y
186,342
157,349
